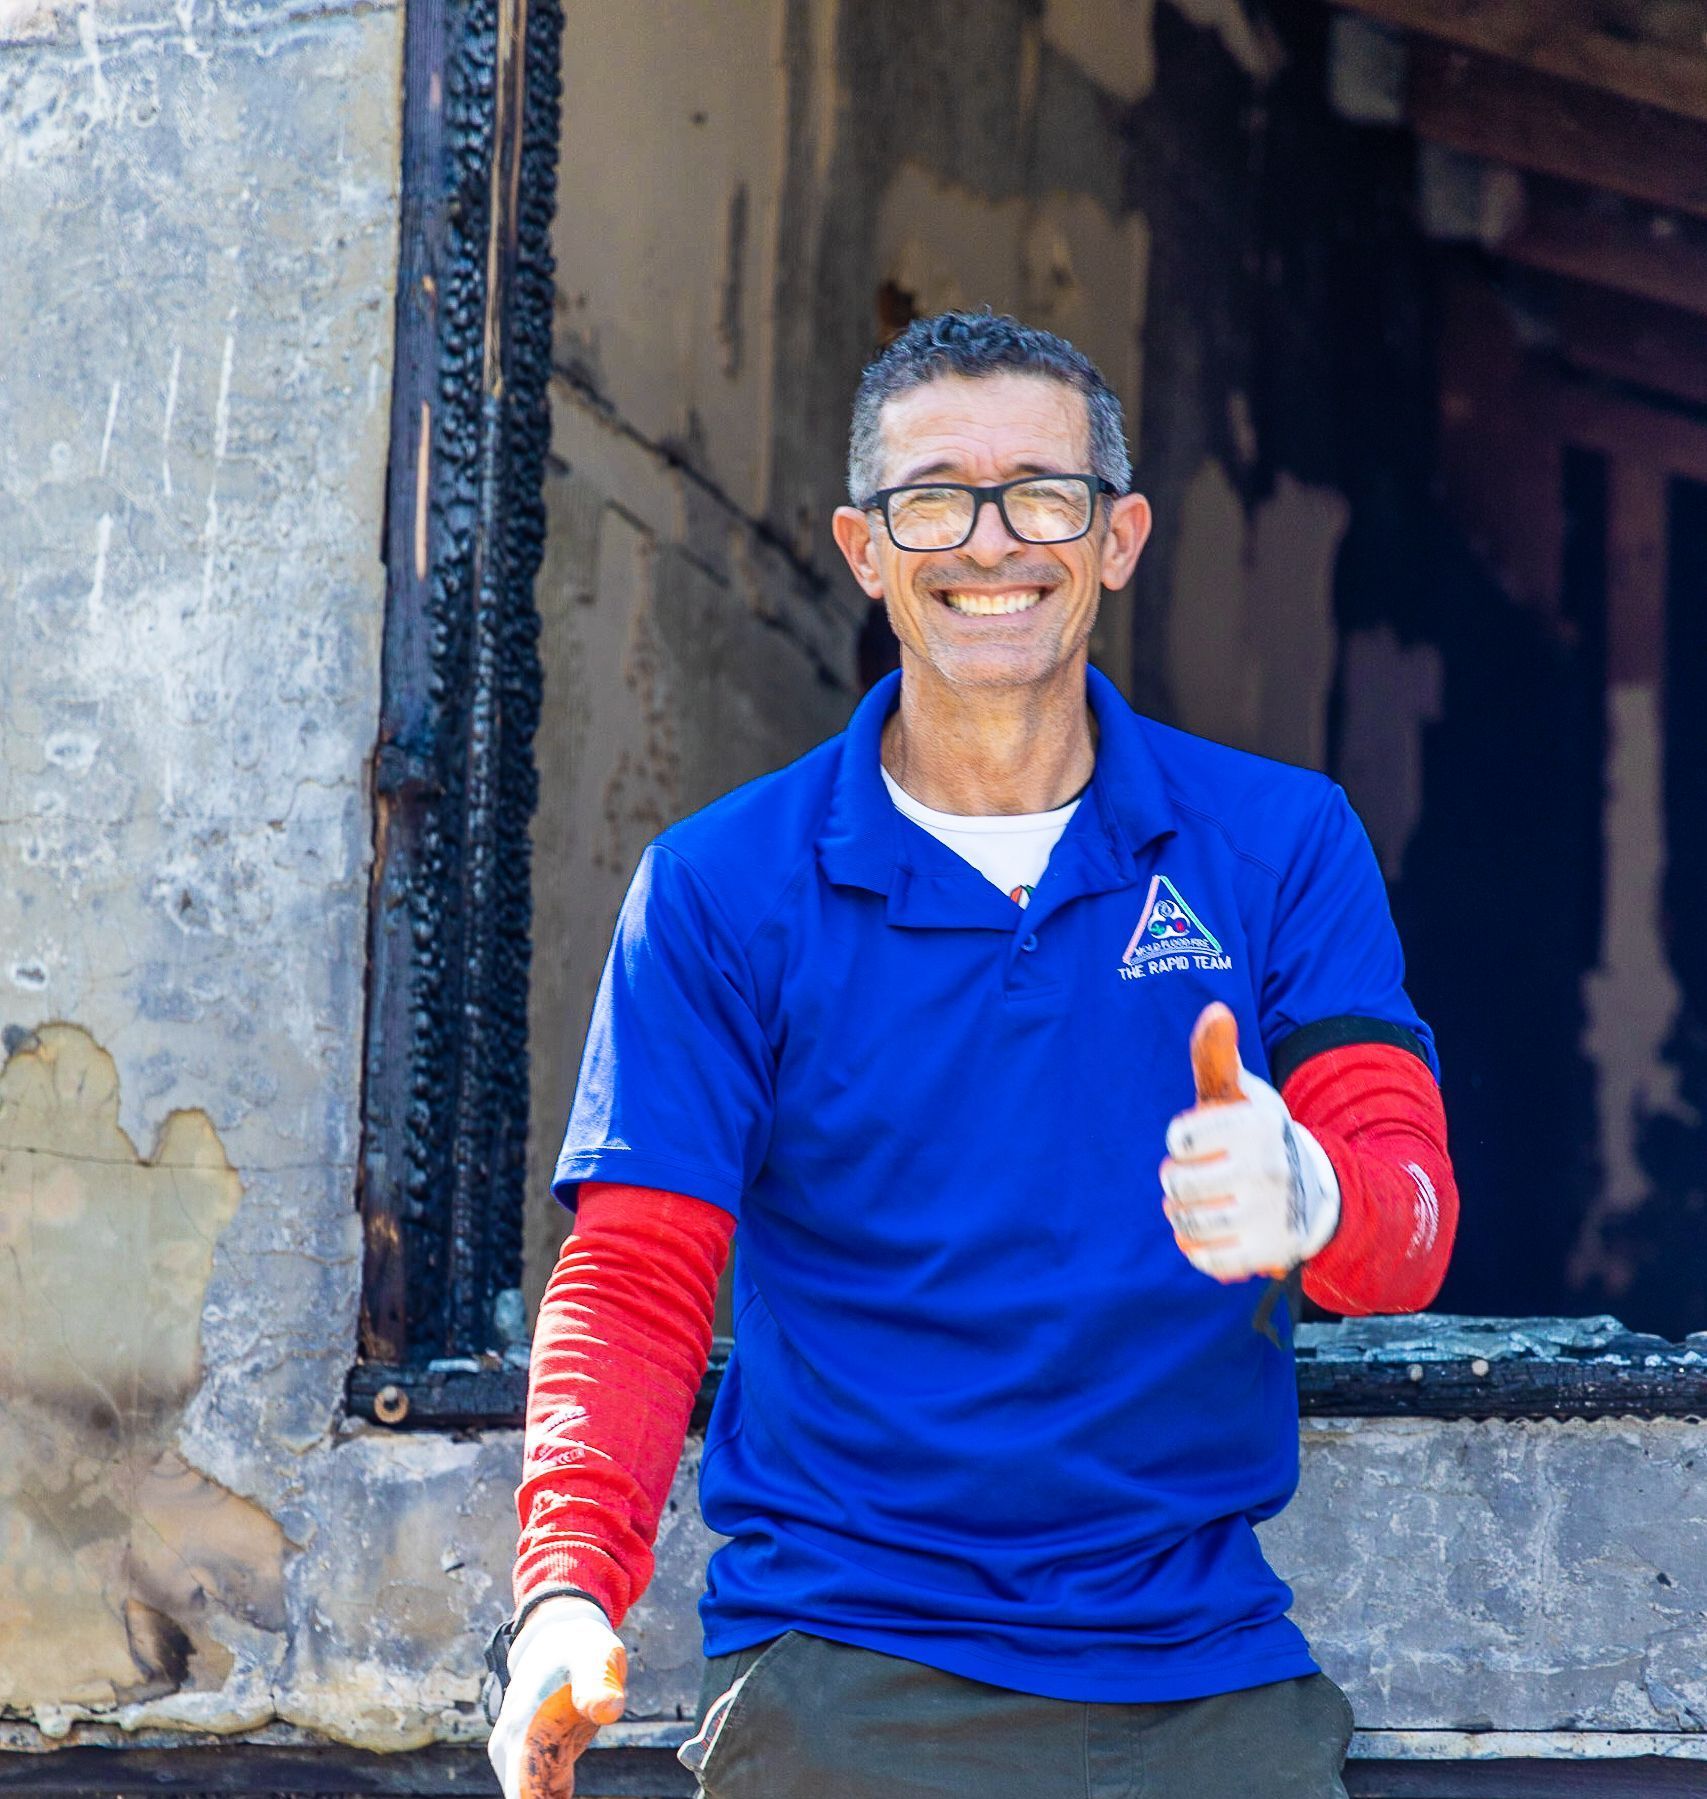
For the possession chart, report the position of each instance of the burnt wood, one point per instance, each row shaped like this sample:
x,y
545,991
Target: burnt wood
x,y
406,774
1577,39
283,1772
1661,350
1625,1376
1638,1777
444,1100
1590,236
1508,113
293,1772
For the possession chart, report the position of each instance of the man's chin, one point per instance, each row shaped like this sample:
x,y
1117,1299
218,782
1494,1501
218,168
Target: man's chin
x,y
995,667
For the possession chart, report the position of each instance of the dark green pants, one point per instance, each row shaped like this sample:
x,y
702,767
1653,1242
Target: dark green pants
x,y
815,1719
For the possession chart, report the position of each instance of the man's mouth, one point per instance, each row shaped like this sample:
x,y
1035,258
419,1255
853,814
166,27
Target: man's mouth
x,y
981,603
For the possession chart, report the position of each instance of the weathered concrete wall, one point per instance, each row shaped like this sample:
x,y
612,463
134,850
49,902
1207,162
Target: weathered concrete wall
x,y
198,230
1462,1578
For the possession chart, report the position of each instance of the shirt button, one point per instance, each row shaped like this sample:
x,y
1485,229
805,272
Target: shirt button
x,y
1030,942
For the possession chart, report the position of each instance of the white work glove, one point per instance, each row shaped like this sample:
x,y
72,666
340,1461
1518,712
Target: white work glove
x,y
1248,1190
568,1674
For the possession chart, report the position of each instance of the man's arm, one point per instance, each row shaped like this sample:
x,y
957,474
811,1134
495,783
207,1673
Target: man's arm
x,y
1377,1112
1344,1171
620,1348
1345,1168
621,1344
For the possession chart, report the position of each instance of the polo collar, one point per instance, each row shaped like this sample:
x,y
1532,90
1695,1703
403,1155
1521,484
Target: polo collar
x,y
862,844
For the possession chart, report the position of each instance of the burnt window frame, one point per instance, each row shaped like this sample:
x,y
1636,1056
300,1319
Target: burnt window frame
x,y
442,1170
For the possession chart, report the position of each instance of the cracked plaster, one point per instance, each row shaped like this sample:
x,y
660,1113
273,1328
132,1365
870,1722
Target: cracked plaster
x,y
152,1574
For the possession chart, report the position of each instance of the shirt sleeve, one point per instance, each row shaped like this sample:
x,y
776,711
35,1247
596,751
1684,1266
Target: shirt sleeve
x,y
676,1086
1336,974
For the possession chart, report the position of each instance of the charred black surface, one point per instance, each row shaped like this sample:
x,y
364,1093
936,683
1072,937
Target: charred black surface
x,y
654,1773
1664,1236
1426,1366
445,1094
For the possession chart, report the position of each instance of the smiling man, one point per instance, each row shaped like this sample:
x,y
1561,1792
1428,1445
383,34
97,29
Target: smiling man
x,y
917,1011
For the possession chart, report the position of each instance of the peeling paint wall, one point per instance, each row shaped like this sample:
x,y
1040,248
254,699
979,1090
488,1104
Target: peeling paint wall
x,y
103,1525
198,232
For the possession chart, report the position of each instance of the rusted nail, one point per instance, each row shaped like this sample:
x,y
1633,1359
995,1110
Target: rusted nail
x,y
391,1405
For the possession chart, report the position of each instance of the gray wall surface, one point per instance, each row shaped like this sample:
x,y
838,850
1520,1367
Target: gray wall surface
x,y
198,233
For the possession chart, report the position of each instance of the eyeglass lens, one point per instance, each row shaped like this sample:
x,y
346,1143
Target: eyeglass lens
x,y
935,518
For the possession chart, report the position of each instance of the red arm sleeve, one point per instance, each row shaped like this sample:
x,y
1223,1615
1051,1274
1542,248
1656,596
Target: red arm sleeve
x,y
1376,1110
622,1341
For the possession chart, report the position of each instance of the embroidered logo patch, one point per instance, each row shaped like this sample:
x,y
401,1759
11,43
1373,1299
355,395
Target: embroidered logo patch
x,y
1170,936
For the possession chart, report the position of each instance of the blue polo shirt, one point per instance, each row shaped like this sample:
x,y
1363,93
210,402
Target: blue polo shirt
x,y
981,1412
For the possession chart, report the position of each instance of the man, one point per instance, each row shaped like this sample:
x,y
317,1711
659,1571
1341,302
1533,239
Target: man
x,y
916,1009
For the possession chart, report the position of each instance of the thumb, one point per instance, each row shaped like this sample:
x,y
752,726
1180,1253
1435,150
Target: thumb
x,y
598,1680
1215,1056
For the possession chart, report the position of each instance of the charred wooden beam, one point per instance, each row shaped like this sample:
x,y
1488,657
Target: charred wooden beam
x,y
1592,236
332,1770
630,1772
1508,113
1400,1367
444,1102
1574,39
1655,348
1528,1777
1587,415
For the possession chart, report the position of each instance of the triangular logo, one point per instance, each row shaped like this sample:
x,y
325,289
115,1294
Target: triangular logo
x,y
1168,926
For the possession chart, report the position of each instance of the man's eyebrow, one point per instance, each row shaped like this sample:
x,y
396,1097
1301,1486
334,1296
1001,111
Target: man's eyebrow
x,y
942,465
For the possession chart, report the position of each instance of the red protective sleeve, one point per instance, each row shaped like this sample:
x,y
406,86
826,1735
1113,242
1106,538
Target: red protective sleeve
x,y
1376,1110
620,1347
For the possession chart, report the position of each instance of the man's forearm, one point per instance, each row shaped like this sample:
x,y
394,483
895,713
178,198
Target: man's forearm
x,y
1377,1112
620,1347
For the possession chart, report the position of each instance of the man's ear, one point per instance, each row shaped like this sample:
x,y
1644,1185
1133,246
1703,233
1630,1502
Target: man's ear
x,y
852,531
1128,531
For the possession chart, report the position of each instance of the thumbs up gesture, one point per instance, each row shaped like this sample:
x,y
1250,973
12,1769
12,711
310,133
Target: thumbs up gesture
x,y
1247,1189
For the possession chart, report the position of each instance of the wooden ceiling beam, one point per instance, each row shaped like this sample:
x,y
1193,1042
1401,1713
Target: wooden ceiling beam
x,y
1651,347
1507,113
1620,427
1587,237
1566,38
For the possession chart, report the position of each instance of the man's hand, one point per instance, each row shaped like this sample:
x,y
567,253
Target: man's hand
x,y
568,1672
1249,1190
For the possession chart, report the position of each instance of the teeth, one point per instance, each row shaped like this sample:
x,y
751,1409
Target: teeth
x,y
989,605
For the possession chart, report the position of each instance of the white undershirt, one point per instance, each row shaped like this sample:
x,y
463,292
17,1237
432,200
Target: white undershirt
x,y
1010,848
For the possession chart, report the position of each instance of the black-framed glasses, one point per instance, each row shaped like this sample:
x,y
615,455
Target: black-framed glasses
x,y
942,515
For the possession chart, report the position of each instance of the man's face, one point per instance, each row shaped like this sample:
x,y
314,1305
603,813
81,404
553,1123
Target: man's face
x,y
984,431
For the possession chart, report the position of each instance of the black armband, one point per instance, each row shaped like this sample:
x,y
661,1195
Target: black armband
x,y
1338,1033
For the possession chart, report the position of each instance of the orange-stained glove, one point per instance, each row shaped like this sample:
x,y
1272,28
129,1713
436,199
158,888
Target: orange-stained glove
x,y
1248,1190
568,1675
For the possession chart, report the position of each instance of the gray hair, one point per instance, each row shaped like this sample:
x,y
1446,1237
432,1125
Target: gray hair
x,y
973,344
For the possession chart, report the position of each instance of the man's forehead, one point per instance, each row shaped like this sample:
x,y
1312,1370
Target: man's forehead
x,y
1008,416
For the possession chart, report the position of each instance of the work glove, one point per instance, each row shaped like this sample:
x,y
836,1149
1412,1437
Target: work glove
x,y
1248,1190
567,1675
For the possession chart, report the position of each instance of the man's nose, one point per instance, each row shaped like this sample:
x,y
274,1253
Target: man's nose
x,y
991,540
